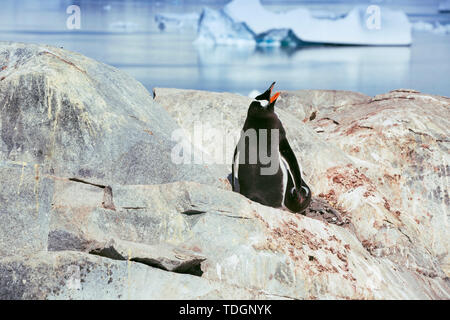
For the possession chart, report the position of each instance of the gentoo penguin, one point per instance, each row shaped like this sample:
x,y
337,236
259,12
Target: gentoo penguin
x,y
264,167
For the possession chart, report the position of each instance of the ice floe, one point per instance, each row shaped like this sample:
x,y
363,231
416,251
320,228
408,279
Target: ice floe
x,y
431,27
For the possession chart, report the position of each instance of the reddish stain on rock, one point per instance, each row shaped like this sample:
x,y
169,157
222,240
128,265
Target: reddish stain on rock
x,y
387,205
330,196
355,128
349,178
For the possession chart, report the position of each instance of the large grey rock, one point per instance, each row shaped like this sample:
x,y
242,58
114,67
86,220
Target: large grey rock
x,y
25,203
76,275
245,244
76,117
308,105
332,173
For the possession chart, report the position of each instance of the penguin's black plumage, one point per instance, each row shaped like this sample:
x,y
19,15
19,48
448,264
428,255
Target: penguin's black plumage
x,y
282,188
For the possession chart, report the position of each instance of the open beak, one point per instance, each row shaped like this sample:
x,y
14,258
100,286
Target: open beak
x,y
275,96
271,86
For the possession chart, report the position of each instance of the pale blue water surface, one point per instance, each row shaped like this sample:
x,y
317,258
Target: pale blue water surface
x,y
124,34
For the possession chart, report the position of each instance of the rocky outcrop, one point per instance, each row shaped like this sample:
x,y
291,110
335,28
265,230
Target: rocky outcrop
x,y
73,275
75,117
400,142
323,126
85,220
240,247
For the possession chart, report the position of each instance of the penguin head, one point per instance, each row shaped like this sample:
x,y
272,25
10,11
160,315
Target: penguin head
x,y
265,102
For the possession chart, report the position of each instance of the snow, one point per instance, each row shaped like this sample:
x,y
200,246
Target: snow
x,y
395,28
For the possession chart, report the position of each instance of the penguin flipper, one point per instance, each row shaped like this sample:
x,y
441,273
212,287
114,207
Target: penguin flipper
x,y
298,194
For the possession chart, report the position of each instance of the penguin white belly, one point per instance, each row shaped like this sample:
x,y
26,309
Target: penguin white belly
x,y
284,171
236,172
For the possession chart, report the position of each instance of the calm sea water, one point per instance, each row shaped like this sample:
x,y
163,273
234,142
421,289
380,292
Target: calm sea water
x,y
124,34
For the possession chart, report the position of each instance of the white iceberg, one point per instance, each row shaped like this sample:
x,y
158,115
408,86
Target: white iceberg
x,y
352,29
277,38
217,28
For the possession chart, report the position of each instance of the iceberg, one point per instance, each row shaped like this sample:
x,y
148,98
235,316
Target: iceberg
x,y
217,28
277,38
422,26
430,27
352,29
187,20
441,28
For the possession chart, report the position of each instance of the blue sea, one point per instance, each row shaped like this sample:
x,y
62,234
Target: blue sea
x,y
125,34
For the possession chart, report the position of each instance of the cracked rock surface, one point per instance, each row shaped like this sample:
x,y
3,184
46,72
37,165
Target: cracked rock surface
x,y
91,207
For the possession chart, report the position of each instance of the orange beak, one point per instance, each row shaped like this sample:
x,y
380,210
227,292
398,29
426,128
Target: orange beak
x,y
274,97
